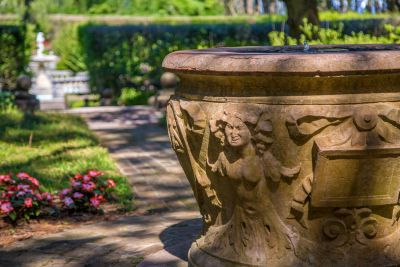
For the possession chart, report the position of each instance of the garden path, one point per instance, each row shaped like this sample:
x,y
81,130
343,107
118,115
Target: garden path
x,y
170,220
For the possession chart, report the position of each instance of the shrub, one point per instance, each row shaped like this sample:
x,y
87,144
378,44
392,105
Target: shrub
x,y
316,35
14,54
20,197
177,7
6,101
132,96
115,55
102,8
87,192
131,7
67,46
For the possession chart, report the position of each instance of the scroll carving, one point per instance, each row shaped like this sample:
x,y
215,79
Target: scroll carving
x,y
350,225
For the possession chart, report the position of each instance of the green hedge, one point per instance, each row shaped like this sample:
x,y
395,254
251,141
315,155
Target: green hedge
x,y
125,56
14,54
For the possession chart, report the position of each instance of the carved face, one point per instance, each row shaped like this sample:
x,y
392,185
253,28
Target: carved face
x,y
237,133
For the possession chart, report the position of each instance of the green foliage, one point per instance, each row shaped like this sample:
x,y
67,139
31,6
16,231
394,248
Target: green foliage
x,y
152,7
126,56
351,15
132,96
61,145
15,51
6,101
316,35
176,7
393,33
102,8
9,6
131,7
67,46
80,103
60,6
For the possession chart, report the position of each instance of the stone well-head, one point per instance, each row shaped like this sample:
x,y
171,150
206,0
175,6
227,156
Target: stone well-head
x,y
293,155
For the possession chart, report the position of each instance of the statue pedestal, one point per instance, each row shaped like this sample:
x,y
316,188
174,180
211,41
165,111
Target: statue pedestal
x,y
293,156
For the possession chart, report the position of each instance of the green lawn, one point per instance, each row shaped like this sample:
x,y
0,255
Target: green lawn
x,y
61,146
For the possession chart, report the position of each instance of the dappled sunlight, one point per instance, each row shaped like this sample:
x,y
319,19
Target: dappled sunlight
x,y
151,166
119,242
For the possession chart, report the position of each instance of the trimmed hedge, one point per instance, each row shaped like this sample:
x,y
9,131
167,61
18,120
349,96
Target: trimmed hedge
x,y
131,55
13,54
126,56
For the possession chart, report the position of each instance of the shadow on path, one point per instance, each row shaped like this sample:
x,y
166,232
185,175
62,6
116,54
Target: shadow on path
x,y
178,238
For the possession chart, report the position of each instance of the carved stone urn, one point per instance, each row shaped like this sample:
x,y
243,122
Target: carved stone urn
x,y
293,154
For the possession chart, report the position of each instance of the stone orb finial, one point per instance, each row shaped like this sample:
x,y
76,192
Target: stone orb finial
x,y
169,80
24,83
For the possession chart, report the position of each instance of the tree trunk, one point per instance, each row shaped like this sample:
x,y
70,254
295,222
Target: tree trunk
x,y
235,7
229,7
266,4
298,10
394,5
249,7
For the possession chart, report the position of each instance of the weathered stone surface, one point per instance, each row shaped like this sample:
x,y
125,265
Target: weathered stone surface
x,y
293,157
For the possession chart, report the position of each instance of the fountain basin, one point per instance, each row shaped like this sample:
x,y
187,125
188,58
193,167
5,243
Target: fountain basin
x,y
293,156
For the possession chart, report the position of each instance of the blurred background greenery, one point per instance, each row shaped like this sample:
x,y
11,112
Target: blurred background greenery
x,y
121,43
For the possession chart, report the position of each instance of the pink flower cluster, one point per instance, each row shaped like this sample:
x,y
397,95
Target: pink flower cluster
x,y
87,191
20,196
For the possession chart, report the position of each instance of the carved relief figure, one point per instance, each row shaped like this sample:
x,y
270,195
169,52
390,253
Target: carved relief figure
x,y
255,233
187,130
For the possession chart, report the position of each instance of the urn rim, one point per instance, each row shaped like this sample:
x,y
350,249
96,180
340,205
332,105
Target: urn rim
x,y
318,60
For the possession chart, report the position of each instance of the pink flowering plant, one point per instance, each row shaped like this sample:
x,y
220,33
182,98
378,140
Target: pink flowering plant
x,y
20,197
87,192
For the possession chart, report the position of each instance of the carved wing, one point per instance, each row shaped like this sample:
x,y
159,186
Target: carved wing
x,y
274,170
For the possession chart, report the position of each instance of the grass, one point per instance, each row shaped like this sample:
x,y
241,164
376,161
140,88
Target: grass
x,y
53,147
79,103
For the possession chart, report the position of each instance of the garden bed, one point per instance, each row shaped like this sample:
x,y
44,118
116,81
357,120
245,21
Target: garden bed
x,y
53,148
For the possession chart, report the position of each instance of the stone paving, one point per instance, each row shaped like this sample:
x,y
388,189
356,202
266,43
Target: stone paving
x,y
161,237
